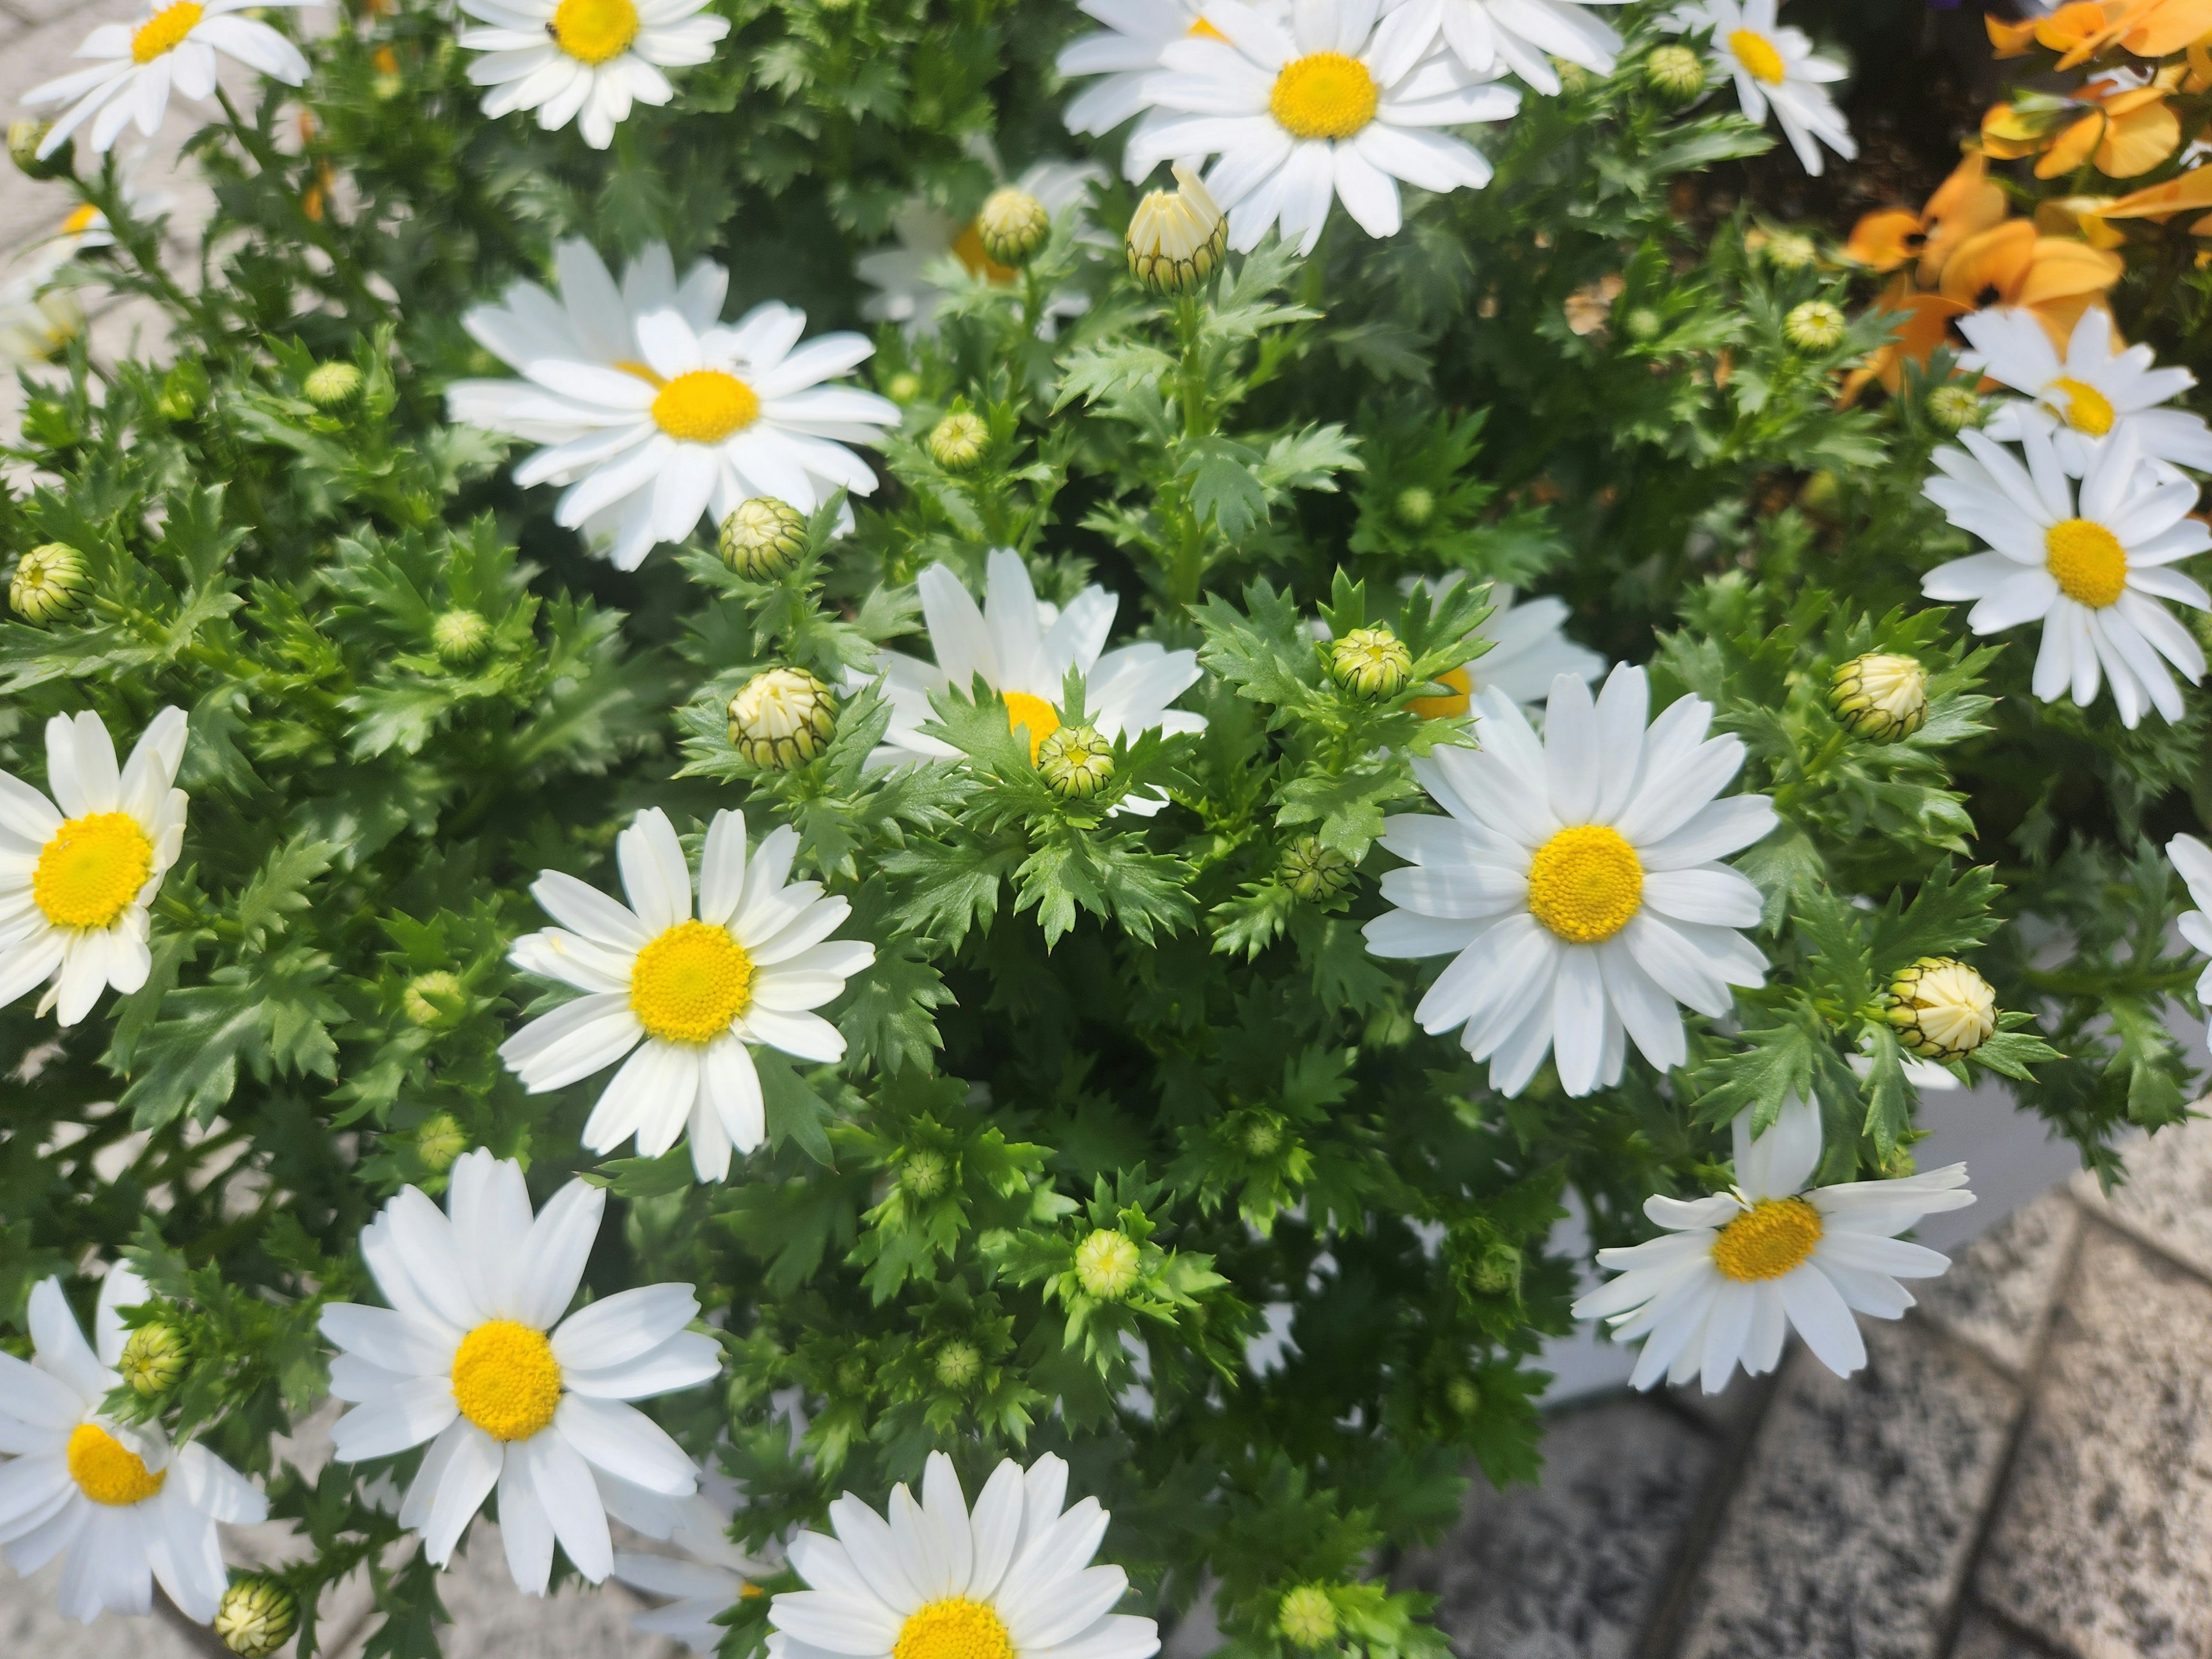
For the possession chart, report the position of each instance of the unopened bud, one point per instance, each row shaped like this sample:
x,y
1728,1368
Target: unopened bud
x,y
425,992
46,581
1942,1009
1177,237
1106,1265
1642,323
1814,325
1076,761
1879,696
1416,506
923,1173
1370,662
782,719
439,1142
1790,250
958,1364
1314,872
154,1359
1013,226
1676,73
24,138
1953,408
1308,1617
1461,1394
460,636
904,387
958,442
257,1617
762,538
330,385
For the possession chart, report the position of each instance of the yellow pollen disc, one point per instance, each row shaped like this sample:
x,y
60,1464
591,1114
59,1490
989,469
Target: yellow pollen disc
x,y
1758,54
80,219
1446,708
1768,1240
967,248
506,1380
592,31
642,371
691,983
1324,94
954,1628
2088,409
1585,883
165,31
1205,31
1024,710
92,869
108,1471
2088,561
705,405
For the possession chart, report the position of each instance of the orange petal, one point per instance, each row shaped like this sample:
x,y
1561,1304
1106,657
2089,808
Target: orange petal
x,y
2072,148
2138,140
1964,205
2192,190
2199,77
2079,216
2062,270
2010,40
2165,25
1990,268
1884,240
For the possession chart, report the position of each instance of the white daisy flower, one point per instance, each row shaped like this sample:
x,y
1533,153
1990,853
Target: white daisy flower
x,y
2095,390
2193,859
75,878
2093,575
1024,648
586,61
1124,56
121,1504
1775,68
708,1577
1735,1271
173,46
910,277
1526,35
1529,649
709,417
1334,105
687,993
473,1356
934,1581
1575,880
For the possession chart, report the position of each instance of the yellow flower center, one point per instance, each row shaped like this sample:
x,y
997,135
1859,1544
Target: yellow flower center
x,y
506,1380
92,869
967,248
705,405
1324,94
2088,561
105,1469
592,31
691,983
1758,54
1024,710
1585,883
954,1628
1768,1240
2087,409
80,219
1446,708
165,31
642,371
1204,31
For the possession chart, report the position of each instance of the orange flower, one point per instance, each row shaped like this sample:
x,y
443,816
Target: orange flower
x,y
2152,29
2090,28
1923,322
2189,193
1963,205
2067,30
2011,264
2127,131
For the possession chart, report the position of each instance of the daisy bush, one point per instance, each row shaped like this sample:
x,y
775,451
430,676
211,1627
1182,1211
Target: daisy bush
x,y
867,810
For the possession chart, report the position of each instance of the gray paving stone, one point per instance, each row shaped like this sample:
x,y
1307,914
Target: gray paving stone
x,y
1575,1568
30,1625
2167,1199
1981,1636
1851,1526
2102,1542
1998,1295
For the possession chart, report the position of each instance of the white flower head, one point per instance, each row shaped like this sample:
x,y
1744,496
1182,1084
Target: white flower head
x,y
707,1575
2092,571
1024,648
1526,35
119,1503
75,878
683,996
586,61
1775,69
1734,1272
173,46
1575,881
2193,860
909,276
1529,649
2096,390
474,1356
1337,103
933,1580
1125,55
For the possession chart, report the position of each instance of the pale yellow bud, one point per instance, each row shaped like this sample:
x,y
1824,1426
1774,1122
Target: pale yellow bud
x,y
1013,226
1308,1617
1177,237
782,719
762,538
1879,696
1942,1009
1106,1265
1370,662
46,581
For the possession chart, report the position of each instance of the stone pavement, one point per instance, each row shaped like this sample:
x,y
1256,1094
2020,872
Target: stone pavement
x,y
2022,1471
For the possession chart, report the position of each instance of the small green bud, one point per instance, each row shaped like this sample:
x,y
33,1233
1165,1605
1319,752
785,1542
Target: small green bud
x,y
1790,250
1573,78
1370,662
1013,226
1881,698
1261,1138
46,581
904,387
782,719
460,636
1462,1396
958,1364
1675,73
762,538
958,442
1497,1270
438,1140
923,1173
184,389
24,137
1308,1617
1643,324
1416,506
329,386
386,86
416,1000
154,1359
258,1616
1953,408
1076,761
1106,1265
1814,325
1314,872
1941,1008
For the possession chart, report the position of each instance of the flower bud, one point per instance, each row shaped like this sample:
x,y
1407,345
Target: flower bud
x,y
328,385
460,636
958,442
1013,226
1814,325
782,719
1308,1617
1461,1394
923,1173
1643,324
1076,761
762,538
958,1363
438,1140
1177,237
257,1617
1942,1009
1106,1265
1315,872
1496,1271
1675,73
47,583
1261,1138
154,1359
1416,506
24,137
1881,698
1370,662
1953,408
416,1000
1790,250
904,387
